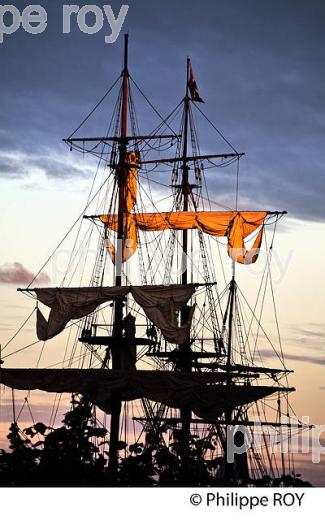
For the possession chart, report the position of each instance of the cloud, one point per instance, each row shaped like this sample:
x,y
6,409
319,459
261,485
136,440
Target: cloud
x,y
17,273
313,359
307,359
40,411
263,88
303,337
311,333
17,164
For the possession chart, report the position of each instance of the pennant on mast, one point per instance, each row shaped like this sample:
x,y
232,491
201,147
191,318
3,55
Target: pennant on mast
x,y
195,96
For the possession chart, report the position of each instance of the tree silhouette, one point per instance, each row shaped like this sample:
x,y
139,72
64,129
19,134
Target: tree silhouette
x,y
70,456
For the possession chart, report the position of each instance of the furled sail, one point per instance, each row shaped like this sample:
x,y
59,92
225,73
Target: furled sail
x,y
236,225
128,199
160,304
129,190
71,304
203,393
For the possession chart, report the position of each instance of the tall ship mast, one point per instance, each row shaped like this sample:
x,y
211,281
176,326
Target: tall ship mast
x,y
162,340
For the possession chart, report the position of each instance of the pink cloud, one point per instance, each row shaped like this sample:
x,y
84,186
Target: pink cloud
x,y
17,273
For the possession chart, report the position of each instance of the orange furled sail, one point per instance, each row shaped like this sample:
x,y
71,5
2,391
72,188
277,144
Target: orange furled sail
x,y
130,189
236,225
129,197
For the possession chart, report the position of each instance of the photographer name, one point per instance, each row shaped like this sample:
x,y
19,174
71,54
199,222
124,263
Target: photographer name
x,y
248,502
90,19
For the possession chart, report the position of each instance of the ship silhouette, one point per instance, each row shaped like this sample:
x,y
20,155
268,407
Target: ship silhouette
x,y
170,333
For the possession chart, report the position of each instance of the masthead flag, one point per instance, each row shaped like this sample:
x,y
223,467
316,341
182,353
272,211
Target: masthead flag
x,y
195,96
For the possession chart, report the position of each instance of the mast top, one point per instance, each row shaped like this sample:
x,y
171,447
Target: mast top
x,y
188,61
126,49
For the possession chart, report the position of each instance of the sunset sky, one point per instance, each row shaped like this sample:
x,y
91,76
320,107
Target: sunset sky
x,y
260,69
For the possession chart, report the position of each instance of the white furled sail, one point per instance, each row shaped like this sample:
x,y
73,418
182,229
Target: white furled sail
x,y
160,303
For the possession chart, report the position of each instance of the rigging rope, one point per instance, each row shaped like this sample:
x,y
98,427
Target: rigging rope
x,y
216,129
67,234
95,108
19,329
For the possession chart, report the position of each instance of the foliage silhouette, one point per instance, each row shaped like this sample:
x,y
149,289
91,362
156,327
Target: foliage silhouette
x,y
71,456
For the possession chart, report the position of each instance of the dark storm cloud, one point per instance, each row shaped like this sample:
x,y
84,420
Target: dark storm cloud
x,y
258,65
